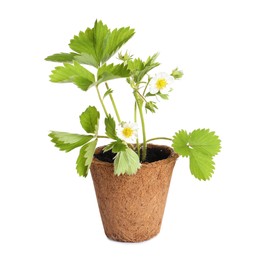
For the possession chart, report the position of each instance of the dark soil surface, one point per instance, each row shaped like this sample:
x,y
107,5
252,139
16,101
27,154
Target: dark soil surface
x,y
153,154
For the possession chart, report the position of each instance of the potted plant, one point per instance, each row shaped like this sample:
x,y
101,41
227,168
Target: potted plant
x,y
130,174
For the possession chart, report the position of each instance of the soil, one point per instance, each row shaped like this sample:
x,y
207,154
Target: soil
x,y
153,154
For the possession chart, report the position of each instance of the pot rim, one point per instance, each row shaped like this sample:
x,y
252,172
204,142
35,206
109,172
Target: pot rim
x,y
173,156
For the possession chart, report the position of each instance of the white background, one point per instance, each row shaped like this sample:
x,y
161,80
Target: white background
x,y
48,212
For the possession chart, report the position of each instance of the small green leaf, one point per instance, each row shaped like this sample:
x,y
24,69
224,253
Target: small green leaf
x,y
119,146
85,158
61,57
163,96
204,141
151,106
126,162
73,73
181,143
116,146
110,126
108,72
67,141
201,165
124,57
109,91
139,68
89,120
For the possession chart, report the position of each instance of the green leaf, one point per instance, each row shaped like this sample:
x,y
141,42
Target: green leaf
x,y
201,145
67,141
89,120
61,57
73,73
108,72
100,43
181,143
163,96
110,126
100,37
84,43
109,91
151,106
85,158
139,68
201,165
204,141
116,146
126,162
85,58
115,40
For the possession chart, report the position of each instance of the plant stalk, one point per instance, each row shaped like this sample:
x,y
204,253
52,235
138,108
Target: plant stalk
x,y
113,104
159,138
137,139
144,91
102,136
101,101
140,104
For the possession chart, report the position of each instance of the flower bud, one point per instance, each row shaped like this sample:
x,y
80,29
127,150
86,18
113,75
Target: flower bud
x,y
177,74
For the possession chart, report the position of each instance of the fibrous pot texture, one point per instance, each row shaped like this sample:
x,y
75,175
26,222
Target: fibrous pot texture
x,y
132,206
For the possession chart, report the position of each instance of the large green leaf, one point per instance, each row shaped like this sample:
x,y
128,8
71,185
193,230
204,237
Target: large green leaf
x,y
61,57
99,43
201,146
180,143
85,58
115,40
89,120
73,73
85,158
126,161
84,43
67,141
201,165
110,127
204,141
108,72
100,37
201,140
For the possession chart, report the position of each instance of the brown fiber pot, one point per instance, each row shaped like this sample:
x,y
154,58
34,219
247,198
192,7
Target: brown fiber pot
x,y
132,207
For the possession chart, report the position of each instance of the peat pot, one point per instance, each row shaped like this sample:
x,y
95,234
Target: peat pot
x,y
132,206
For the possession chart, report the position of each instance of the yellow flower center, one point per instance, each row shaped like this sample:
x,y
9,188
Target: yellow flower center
x,y
161,83
127,132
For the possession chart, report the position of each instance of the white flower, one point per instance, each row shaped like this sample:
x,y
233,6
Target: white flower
x,y
128,131
161,82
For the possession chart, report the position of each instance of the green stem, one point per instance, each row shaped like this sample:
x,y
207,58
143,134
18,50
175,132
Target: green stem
x,y
144,91
113,104
137,139
101,101
142,97
139,102
159,138
102,136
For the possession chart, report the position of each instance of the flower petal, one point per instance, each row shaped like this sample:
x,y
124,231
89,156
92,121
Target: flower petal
x,y
154,90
